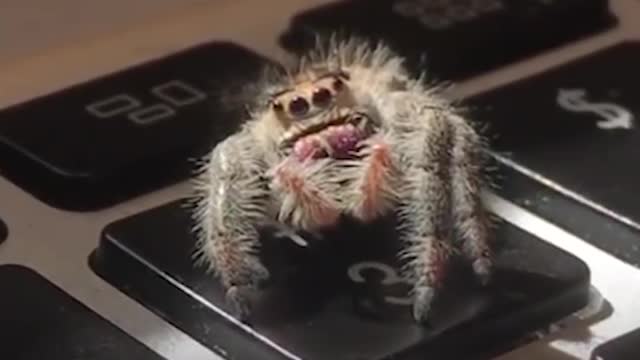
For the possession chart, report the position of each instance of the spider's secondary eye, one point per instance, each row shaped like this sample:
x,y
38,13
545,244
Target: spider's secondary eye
x,y
276,105
338,84
298,106
321,97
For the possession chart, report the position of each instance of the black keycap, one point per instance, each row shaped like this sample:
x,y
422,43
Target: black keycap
x,y
570,154
454,39
118,136
3,231
40,321
326,301
624,347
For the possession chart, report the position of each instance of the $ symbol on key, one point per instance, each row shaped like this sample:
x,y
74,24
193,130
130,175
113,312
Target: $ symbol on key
x,y
615,116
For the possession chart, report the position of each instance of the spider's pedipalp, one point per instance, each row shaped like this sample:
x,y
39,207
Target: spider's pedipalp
x,y
375,179
306,195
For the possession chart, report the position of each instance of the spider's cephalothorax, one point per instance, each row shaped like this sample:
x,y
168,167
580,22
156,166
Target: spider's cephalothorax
x,y
348,133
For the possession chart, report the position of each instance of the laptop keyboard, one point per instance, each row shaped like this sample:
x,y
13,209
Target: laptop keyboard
x,y
454,38
40,321
563,143
341,302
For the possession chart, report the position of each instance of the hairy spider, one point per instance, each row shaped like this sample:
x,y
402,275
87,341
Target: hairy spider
x,y
348,132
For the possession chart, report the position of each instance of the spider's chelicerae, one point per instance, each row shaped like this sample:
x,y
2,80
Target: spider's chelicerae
x,y
351,133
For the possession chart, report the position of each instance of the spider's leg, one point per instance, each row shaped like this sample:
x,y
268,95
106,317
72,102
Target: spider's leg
x,y
233,203
470,215
425,209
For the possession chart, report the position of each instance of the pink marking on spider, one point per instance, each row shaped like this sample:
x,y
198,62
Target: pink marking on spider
x,y
342,139
436,260
308,148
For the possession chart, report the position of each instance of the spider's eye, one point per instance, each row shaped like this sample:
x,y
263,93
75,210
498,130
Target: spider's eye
x,y
338,84
276,105
298,106
321,97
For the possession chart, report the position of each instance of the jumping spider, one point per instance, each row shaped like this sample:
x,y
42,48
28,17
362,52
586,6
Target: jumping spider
x,y
348,133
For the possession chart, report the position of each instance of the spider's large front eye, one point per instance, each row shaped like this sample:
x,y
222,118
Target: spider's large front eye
x,y
298,106
321,97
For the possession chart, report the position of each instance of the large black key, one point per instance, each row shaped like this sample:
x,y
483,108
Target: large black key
x,y
624,347
127,133
40,321
454,39
569,140
327,301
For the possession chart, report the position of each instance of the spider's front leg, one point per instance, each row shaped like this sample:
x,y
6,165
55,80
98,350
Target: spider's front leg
x,y
442,192
424,208
233,205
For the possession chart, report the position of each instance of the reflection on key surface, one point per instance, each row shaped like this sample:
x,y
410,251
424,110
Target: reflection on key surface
x,y
40,321
341,297
575,129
